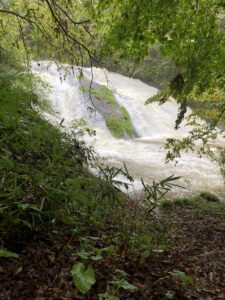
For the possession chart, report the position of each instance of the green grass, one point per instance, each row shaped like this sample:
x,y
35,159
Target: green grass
x,y
203,203
120,127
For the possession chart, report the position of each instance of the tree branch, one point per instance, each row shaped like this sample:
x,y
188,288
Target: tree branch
x,y
67,34
25,17
66,14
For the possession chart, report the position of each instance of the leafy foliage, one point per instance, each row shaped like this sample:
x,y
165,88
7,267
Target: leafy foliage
x,y
221,161
83,278
36,161
108,296
122,283
46,29
184,34
183,30
156,192
6,253
181,276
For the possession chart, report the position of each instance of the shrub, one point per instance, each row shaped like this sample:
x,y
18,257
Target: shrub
x,y
36,162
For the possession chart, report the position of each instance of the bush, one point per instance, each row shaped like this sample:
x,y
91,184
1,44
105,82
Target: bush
x,y
36,163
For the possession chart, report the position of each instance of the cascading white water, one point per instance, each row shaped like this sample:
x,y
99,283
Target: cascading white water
x,y
144,156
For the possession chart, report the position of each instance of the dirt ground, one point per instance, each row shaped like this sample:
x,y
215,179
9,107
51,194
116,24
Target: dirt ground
x,y
195,246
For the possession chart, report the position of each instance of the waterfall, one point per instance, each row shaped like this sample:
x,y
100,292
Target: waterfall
x,y
144,155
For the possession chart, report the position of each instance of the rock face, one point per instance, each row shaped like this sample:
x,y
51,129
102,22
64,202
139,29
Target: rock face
x,y
117,117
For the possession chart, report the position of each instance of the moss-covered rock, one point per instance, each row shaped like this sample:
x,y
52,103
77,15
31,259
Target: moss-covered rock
x,y
122,126
209,196
117,117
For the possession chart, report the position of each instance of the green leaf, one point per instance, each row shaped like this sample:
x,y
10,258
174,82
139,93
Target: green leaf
x,y
83,254
6,253
100,252
124,284
121,272
98,255
181,276
169,295
108,250
107,296
27,223
83,279
161,97
7,3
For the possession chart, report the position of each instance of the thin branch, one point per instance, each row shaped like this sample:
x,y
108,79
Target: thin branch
x,y
66,14
75,23
25,17
24,42
74,40
85,28
15,14
218,119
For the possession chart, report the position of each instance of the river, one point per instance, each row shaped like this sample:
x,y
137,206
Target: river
x,y
144,156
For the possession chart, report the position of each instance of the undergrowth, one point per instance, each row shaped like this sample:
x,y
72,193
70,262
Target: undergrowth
x,y
203,203
37,163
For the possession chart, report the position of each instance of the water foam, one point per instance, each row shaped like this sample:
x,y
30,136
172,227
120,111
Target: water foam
x,y
144,156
